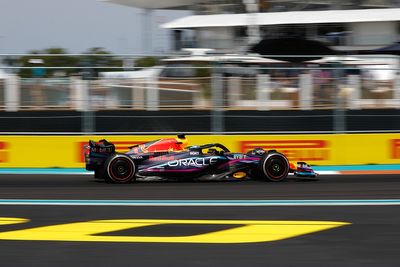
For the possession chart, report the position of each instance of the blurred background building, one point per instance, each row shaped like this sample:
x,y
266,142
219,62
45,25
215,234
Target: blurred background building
x,y
210,82
230,25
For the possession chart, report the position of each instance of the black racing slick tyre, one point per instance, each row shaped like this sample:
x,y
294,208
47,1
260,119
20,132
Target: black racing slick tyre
x,y
274,167
119,169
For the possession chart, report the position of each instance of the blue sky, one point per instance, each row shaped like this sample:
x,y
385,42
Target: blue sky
x,y
78,25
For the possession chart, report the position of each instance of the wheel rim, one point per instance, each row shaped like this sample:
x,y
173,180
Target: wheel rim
x,y
276,168
121,169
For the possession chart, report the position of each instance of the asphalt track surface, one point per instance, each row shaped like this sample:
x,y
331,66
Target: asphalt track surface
x,y
372,237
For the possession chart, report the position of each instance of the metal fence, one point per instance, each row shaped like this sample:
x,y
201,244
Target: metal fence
x,y
226,93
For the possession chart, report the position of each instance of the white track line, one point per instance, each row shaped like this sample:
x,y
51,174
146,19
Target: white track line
x,y
184,203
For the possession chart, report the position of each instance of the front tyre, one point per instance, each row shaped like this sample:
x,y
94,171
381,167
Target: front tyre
x,y
119,169
274,167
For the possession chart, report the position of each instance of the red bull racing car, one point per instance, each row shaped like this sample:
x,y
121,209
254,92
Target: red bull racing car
x,y
172,159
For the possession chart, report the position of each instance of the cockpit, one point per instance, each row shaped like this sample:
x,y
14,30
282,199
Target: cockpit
x,y
209,149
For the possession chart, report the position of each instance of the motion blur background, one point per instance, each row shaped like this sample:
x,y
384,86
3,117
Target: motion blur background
x,y
317,80
136,66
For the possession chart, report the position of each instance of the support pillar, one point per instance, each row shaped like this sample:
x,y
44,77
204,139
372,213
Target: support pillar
x,y
396,90
138,93
152,94
147,31
263,92
306,92
217,98
111,101
12,94
353,97
253,28
234,91
79,94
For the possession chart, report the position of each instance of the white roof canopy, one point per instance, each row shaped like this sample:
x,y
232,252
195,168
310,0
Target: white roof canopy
x,y
151,4
280,18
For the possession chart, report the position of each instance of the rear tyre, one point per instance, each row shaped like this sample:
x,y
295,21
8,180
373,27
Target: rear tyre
x,y
274,167
119,169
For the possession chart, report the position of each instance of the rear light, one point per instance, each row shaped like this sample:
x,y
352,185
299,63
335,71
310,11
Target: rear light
x,y
86,151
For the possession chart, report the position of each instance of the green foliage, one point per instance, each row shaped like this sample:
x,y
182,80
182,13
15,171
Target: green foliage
x,y
58,60
99,57
146,62
96,57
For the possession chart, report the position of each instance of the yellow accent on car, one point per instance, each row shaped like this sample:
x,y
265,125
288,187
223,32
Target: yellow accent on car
x,y
184,141
239,175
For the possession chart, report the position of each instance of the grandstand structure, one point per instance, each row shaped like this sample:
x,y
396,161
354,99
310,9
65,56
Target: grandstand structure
x,y
231,25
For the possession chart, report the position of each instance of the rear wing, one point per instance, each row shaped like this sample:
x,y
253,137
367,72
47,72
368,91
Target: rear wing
x,y
96,152
102,146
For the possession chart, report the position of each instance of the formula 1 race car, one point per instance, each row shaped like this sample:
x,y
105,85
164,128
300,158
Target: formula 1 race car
x,y
170,158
